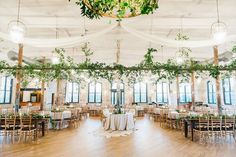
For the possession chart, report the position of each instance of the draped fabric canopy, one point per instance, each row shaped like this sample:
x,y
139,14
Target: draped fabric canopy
x,y
62,42
74,41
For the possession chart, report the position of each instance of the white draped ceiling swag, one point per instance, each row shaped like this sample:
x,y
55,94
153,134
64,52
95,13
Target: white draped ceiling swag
x,y
74,41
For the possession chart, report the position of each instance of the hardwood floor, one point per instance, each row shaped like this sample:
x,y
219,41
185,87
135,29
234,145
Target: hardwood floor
x,y
149,140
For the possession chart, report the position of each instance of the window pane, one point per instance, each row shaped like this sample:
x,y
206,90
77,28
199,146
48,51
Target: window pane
x,y
75,97
98,87
1,96
91,97
228,91
140,92
159,98
122,98
136,88
162,92
8,85
136,98
98,97
182,98
227,98
2,83
92,87
185,93
8,97
76,88
5,90
113,98
143,88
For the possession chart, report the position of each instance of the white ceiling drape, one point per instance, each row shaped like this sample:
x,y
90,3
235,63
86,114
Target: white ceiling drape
x,y
61,42
174,43
74,41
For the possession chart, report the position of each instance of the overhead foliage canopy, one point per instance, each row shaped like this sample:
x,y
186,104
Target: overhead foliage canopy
x,y
70,70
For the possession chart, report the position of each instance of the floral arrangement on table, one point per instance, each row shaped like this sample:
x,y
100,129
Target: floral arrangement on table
x,y
67,104
25,115
209,115
118,110
57,110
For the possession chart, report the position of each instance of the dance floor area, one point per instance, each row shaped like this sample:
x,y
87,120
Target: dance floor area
x,y
148,139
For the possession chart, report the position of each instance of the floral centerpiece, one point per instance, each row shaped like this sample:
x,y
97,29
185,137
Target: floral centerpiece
x,y
118,110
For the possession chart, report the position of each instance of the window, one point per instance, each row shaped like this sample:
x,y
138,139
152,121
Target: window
x,y
95,92
5,90
72,92
114,93
211,92
228,92
185,93
162,92
140,92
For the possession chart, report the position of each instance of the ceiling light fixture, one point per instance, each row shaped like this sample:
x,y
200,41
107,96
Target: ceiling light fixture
x,y
17,28
218,29
55,59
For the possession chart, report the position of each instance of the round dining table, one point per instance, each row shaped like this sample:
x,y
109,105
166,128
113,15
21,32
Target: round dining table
x,y
119,122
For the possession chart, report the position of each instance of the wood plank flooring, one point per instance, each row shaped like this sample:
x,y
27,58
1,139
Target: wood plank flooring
x,y
150,140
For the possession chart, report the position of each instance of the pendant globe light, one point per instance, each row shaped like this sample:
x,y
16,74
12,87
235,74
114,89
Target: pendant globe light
x,y
17,28
218,28
55,59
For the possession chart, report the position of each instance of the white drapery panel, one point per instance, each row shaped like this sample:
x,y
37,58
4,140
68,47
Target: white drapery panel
x,y
62,42
74,41
174,43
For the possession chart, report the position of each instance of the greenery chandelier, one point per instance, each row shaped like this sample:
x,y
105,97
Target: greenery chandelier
x,y
116,8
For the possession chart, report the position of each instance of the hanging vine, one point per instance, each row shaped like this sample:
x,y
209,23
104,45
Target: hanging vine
x,y
68,69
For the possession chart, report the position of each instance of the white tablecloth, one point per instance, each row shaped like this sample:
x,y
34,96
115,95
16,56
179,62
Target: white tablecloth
x,y
173,115
119,122
57,115
159,110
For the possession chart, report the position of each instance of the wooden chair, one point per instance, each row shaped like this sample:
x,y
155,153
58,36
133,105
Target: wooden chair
x,y
74,120
201,128
57,120
2,126
171,121
215,127
163,117
84,112
229,127
28,128
12,127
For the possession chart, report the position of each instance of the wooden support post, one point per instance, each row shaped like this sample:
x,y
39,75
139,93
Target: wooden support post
x,y
56,103
18,78
177,90
42,90
218,96
119,82
193,90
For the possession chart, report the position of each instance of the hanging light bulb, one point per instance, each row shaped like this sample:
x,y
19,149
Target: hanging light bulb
x,y
17,31
55,60
219,32
218,29
17,28
179,60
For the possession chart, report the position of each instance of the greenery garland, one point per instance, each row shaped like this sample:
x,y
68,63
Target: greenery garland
x,y
69,70
116,8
